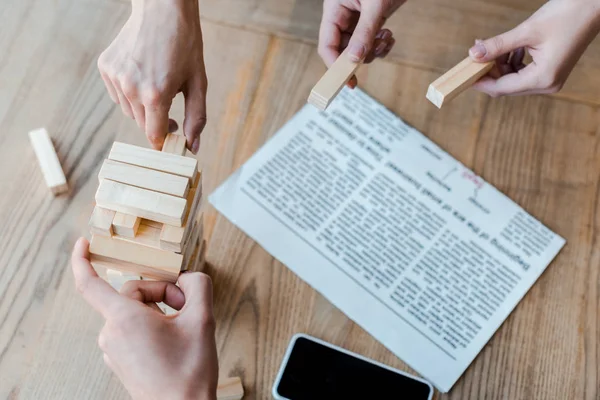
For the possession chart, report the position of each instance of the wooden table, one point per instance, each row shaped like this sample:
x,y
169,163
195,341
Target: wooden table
x,y
544,152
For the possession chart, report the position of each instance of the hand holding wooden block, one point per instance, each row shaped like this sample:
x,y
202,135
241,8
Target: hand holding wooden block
x,y
48,160
457,80
333,81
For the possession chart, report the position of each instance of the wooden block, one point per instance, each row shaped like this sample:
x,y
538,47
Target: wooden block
x,y
135,259
125,225
230,389
117,279
333,81
146,235
154,224
171,237
174,144
101,221
139,202
153,159
48,161
145,178
192,242
457,80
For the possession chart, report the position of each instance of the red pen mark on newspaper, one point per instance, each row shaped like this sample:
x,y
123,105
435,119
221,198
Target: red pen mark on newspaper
x,y
470,176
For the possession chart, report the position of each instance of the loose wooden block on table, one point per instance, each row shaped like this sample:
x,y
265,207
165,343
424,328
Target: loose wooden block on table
x,y
174,144
230,389
139,202
457,80
135,259
153,159
125,224
332,81
145,178
101,221
48,161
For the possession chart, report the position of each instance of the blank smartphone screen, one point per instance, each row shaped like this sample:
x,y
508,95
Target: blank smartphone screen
x,y
314,371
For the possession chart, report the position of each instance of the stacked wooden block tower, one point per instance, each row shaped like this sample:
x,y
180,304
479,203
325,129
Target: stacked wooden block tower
x,y
145,224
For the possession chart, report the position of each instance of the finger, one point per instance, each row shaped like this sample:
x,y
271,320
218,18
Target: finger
x,y
503,66
517,82
109,87
516,61
329,46
353,82
382,40
173,125
195,111
139,113
99,294
154,292
107,361
155,307
157,123
490,49
389,48
130,91
197,289
125,106
369,23
329,42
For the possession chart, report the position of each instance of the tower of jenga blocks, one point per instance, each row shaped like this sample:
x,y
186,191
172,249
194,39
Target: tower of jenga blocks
x,y
145,224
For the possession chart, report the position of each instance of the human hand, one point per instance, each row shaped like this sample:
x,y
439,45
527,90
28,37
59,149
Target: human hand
x,y
555,36
155,356
157,54
356,24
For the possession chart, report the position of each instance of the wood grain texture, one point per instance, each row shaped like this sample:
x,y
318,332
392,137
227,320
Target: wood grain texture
x,y
134,259
541,151
139,202
144,178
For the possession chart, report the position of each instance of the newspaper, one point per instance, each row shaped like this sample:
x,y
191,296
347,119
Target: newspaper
x,y
405,240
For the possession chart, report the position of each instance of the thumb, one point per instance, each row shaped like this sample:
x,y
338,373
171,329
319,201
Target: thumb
x,y
369,23
490,49
197,289
195,111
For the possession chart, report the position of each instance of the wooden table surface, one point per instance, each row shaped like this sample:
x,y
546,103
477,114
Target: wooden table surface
x,y
543,152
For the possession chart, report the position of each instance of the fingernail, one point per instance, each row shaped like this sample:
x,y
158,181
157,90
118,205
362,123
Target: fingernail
x,y
380,48
356,52
386,35
478,51
196,145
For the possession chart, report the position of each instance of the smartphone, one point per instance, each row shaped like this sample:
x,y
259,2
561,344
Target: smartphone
x,y
314,369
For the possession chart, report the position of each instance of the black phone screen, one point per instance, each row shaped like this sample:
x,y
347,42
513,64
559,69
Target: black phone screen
x,y
315,371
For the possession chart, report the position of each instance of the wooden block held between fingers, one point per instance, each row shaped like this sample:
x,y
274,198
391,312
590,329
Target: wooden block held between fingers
x,y
139,202
230,389
332,81
145,178
48,161
157,160
125,224
457,80
174,144
135,259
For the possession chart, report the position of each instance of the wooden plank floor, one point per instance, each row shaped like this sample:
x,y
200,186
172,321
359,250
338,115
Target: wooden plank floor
x,y
541,151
